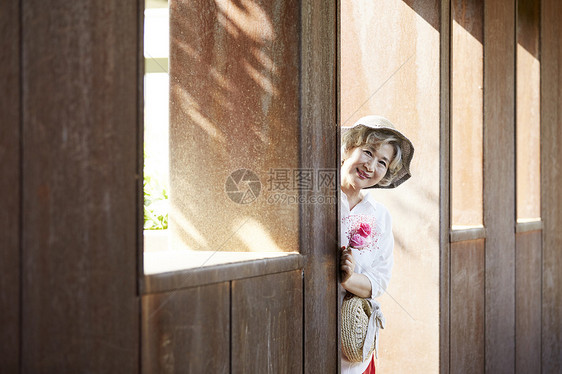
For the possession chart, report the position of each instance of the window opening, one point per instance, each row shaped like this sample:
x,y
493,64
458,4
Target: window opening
x,y
528,113
467,81
221,145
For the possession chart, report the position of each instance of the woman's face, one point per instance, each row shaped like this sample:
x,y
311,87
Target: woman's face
x,y
365,166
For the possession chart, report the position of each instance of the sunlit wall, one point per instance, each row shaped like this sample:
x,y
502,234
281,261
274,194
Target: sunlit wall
x,y
390,66
234,125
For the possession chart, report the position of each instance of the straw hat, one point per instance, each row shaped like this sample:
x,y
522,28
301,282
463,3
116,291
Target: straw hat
x,y
381,123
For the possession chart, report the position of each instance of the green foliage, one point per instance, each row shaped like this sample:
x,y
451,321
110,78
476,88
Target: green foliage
x,y
155,201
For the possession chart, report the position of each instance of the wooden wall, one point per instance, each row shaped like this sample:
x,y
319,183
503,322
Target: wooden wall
x,y
502,288
551,182
528,236
467,307
251,325
319,234
499,184
528,302
69,268
270,315
10,185
69,118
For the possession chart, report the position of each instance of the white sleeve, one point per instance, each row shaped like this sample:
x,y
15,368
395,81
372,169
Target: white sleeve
x,y
381,267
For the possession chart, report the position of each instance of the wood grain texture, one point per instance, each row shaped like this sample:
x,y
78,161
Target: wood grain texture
x,y
194,277
140,144
528,302
318,149
467,307
80,305
187,331
267,320
444,186
528,256
499,188
551,182
10,184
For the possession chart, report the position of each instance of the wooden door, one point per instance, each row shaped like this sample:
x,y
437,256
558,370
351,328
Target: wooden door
x,y
252,91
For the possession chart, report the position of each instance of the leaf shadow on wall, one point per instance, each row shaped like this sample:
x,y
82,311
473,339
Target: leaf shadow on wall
x,y
234,84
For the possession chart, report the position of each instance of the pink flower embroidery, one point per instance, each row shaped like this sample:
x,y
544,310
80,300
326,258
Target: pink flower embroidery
x,y
357,241
364,230
358,238
353,225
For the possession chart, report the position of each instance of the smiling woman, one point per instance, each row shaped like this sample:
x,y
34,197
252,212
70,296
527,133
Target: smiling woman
x,y
374,155
365,166
390,64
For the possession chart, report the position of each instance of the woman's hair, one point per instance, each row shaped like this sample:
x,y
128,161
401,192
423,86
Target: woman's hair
x,y
362,135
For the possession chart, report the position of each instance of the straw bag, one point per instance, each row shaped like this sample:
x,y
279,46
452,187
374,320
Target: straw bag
x,y
355,313
360,322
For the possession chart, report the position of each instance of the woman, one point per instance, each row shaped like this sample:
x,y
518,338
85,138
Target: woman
x,y
374,155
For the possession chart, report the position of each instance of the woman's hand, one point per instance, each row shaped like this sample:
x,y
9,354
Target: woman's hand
x,y
347,264
357,284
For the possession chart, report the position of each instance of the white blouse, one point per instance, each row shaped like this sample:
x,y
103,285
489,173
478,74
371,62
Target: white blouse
x,y
375,260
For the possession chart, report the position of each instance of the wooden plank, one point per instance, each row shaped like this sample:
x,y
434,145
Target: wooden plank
x,y
216,274
79,266
140,144
499,189
267,321
551,182
10,185
444,187
187,331
528,302
528,268
467,307
534,225
319,146
467,234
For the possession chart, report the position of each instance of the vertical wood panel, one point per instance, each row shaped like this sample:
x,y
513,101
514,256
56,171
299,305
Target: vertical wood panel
x,y
444,188
499,189
551,178
528,302
319,149
80,307
267,321
10,121
467,307
187,331
528,269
